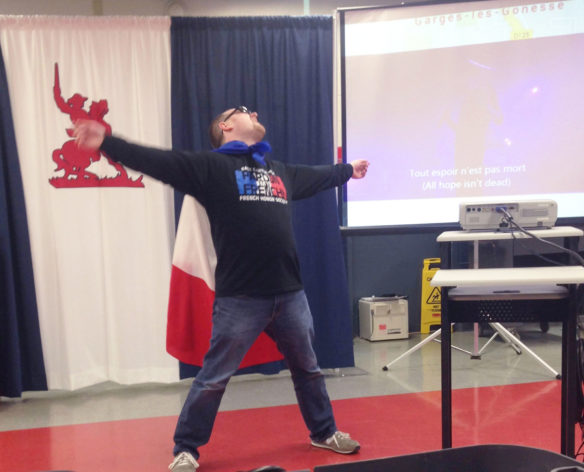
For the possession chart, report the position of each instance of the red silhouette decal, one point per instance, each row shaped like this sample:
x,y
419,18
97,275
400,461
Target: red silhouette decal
x,y
75,161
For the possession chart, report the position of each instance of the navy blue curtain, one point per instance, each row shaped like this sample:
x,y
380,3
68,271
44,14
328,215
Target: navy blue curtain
x,y
282,68
21,357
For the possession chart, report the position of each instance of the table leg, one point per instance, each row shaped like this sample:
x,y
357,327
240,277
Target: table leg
x,y
446,373
569,377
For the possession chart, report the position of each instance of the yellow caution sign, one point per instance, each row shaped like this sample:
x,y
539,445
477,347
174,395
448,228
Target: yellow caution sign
x,y
431,297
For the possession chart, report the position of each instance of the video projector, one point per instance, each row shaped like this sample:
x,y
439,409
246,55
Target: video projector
x,y
489,216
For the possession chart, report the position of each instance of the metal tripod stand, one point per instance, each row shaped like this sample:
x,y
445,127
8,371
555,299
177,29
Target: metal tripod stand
x,y
499,329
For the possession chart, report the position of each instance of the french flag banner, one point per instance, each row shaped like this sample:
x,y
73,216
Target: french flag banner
x,y
192,291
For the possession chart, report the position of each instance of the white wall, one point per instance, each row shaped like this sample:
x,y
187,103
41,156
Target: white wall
x,y
181,7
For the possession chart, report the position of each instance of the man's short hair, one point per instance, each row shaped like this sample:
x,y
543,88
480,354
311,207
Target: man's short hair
x,y
215,133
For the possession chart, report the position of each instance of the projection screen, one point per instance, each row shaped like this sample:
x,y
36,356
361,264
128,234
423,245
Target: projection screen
x,y
462,102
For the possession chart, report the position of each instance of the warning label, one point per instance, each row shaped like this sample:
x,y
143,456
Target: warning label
x,y
434,297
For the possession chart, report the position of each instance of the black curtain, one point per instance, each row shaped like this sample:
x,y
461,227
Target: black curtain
x,y
21,356
282,68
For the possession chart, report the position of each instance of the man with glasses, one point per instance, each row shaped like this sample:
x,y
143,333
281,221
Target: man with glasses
x,y
258,288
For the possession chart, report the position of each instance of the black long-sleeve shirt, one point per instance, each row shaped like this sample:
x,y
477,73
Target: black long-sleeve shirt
x,y
248,206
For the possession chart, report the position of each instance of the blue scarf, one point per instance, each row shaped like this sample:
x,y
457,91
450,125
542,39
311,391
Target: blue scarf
x,y
256,150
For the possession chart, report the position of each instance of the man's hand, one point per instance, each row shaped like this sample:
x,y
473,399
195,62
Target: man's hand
x,y
89,134
359,168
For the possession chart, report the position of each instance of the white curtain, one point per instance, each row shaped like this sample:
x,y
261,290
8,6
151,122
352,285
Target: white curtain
x,y
101,254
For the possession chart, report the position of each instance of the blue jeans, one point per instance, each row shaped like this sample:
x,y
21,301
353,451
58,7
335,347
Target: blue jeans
x,y
237,322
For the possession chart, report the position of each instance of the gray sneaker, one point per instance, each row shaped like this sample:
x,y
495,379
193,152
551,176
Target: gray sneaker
x,y
339,442
184,462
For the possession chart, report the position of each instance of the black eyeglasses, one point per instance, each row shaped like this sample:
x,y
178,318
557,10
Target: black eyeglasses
x,y
240,108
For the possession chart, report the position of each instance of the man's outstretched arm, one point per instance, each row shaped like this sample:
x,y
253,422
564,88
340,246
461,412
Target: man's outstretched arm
x,y
185,171
309,180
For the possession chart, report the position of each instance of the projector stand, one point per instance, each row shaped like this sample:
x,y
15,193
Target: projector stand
x,y
499,329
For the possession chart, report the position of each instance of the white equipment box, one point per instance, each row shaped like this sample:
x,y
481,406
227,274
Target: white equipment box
x,y
382,318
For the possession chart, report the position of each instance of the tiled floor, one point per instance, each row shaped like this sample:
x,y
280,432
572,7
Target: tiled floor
x,y
420,371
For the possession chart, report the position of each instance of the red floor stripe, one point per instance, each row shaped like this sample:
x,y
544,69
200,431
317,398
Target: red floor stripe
x,y
522,414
